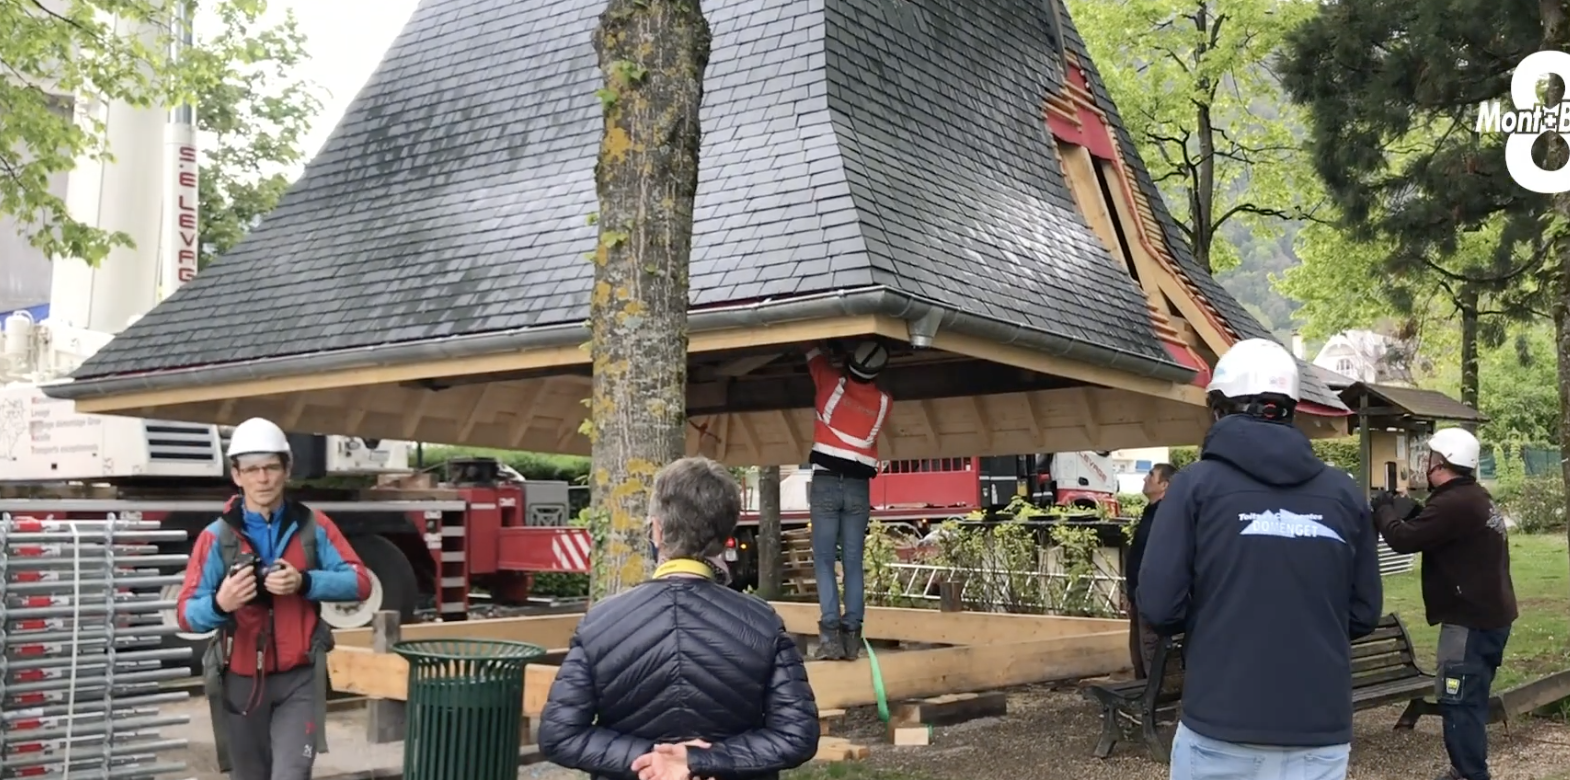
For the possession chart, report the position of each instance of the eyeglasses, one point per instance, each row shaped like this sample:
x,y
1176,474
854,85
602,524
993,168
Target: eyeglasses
x,y
270,469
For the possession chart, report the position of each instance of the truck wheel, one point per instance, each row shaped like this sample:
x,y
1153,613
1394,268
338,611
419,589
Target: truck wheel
x,y
393,585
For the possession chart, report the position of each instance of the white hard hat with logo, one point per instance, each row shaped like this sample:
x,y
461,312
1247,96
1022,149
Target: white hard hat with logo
x,y
1255,367
257,436
1457,446
869,358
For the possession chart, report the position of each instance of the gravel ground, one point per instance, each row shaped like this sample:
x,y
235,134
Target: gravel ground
x,y
1048,734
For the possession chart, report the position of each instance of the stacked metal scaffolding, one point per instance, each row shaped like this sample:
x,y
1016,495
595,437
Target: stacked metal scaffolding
x,y
80,663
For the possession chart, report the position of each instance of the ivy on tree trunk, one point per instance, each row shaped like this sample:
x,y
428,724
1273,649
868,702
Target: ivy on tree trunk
x,y
653,54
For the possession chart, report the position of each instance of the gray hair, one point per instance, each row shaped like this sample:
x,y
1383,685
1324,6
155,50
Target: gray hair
x,y
697,503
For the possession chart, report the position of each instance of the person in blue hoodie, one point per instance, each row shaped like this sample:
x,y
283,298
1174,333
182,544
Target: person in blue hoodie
x,y
1265,559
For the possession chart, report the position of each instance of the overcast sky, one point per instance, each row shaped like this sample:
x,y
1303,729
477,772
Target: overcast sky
x,y
346,39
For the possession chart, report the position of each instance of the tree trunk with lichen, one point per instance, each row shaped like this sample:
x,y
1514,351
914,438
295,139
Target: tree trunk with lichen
x,y
1553,14
653,54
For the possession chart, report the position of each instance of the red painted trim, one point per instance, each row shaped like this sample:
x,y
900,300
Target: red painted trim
x,y
1064,130
1186,355
1320,410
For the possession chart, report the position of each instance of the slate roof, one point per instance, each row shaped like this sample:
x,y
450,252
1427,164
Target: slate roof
x,y
847,144
1423,404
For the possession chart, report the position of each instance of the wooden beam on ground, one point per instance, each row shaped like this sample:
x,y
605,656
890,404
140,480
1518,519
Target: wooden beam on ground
x,y
1535,695
923,673
949,628
366,672
951,709
837,749
544,630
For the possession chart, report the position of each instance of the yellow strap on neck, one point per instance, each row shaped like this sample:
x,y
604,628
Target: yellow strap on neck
x,y
683,566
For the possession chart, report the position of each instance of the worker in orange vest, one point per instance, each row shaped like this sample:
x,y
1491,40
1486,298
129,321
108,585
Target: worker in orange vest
x,y
850,410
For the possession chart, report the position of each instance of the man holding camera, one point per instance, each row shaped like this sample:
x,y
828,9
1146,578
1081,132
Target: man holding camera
x,y
256,577
1467,589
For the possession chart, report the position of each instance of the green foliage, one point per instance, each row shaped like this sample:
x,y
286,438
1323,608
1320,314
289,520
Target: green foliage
x,y
881,582
1535,503
1344,454
1132,504
1518,383
60,57
1433,223
560,585
532,465
1192,83
256,113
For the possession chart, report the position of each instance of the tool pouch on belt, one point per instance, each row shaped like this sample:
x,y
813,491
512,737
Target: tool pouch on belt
x,y
322,643
215,661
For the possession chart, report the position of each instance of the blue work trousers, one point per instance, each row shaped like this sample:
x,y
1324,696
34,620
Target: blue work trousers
x,y
841,508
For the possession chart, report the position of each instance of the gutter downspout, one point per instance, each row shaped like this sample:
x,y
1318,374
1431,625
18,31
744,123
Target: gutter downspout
x,y
924,315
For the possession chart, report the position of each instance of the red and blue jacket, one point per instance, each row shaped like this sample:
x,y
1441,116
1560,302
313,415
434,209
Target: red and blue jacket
x,y
286,643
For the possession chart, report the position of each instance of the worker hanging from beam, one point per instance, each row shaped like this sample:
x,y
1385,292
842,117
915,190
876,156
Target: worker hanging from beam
x,y
850,411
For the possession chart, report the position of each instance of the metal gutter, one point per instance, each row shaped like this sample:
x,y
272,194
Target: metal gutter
x,y
763,314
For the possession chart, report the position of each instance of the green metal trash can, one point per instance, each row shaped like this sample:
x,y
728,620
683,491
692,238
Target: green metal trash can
x,y
465,708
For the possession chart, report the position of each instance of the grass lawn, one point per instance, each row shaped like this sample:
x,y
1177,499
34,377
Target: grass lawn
x,y
1540,641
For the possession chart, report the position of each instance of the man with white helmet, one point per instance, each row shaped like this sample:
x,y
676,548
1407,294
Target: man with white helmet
x,y
1467,590
256,577
1265,559
850,412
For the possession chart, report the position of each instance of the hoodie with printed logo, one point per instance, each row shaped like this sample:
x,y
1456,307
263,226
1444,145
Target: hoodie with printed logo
x,y
1266,560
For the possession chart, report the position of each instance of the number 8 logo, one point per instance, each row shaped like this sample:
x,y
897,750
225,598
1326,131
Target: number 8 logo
x,y
1518,147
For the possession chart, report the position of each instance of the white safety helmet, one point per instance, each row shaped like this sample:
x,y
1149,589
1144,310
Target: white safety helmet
x,y
869,358
1255,367
1457,446
257,436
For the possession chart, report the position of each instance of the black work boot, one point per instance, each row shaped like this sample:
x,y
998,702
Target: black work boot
x,y
850,642
830,646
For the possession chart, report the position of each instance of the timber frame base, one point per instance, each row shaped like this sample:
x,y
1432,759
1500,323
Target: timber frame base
x,y
986,651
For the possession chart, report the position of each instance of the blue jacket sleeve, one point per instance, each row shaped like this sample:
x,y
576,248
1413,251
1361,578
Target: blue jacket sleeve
x,y
1368,590
197,607
789,737
1166,575
342,577
568,734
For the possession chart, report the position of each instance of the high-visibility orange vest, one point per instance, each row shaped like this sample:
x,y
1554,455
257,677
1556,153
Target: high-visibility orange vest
x,y
850,415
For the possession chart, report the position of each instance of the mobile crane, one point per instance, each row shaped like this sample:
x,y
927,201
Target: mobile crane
x,y
434,541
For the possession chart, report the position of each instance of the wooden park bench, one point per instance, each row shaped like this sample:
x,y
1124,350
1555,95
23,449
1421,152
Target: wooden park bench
x,y
1384,671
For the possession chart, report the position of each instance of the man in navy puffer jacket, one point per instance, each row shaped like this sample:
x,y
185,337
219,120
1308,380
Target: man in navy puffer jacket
x,y
682,675
1265,559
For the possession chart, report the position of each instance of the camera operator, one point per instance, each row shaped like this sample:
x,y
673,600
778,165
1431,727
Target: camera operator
x,y
1467,589
256,576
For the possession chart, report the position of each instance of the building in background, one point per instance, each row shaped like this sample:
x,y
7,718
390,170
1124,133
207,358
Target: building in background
x,y
1364,356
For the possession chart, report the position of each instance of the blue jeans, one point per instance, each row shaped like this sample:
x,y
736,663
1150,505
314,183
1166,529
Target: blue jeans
x,y
841,508
1196,757
1467,661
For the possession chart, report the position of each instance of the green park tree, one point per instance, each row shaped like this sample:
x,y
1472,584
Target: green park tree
x,y
238,79
50,53
1393,89
253,113
1193,82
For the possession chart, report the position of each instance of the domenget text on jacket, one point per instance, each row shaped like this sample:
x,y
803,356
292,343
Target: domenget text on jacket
x,y
1267,560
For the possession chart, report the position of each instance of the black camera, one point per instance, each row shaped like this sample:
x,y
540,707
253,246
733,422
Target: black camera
x,y
250,562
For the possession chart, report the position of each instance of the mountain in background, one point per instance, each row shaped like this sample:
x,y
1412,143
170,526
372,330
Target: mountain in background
x,y
1249,282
